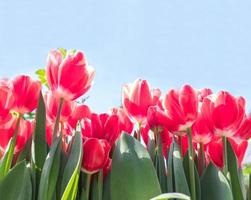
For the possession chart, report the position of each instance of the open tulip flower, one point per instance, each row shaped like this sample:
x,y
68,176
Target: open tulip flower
x,y
185,144
69,76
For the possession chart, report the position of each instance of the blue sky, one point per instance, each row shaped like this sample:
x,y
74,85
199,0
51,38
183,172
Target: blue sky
x,y
168,42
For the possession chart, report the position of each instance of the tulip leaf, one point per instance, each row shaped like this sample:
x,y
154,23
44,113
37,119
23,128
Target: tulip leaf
x,y
39,145
170,175
97,186
168,196
42,77
106,187
50,172
16,185
133,175
197,177
238,193
159,164
214,185
6,161
69,184
179,178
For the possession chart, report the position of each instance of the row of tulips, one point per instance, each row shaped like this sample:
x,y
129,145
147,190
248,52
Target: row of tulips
x,y
185,144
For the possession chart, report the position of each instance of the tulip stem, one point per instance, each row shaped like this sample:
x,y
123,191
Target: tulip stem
x,y
61,101
181,147
191,165
225,167
249,188
201,159
87,185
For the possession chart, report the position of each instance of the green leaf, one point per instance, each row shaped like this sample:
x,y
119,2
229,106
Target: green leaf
x,y
170,175
6,160
16,185
234,174
39,145
69,185
159,164
180,181
133,175
50,172
214,185
42,77
197,177
168,196
107,188
151,145
97,186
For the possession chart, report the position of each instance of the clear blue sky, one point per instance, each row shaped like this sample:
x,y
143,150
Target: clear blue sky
x,y
168,42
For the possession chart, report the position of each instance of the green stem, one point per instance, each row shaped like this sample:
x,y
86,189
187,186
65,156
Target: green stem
x,y
225,166
191,165
138,132
57,118
201,159
180,141
249,188
87,185
100,184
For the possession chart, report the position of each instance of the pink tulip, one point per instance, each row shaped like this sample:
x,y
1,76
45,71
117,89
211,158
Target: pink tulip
x,y
69,77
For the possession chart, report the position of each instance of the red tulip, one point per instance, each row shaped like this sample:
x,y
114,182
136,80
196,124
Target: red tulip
x,y
244,132
202,131
52,105
157,118
166,137
96,154
204,93
26,93
7,131
103,126
137,98
182,107
7,99
240,147
215,150
66,133
69,77
80,112
225,112
125,122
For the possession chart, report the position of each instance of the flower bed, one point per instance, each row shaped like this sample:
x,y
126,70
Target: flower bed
x,y
184,144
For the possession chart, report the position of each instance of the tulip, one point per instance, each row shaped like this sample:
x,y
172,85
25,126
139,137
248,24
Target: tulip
x,y
137,98
157,118
203,93
244,132
202,131
69,77
103,126
225,111
215,150
80,112
52,105
182,108
26,93
7,99
7,130
239,147
124,121
96,154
